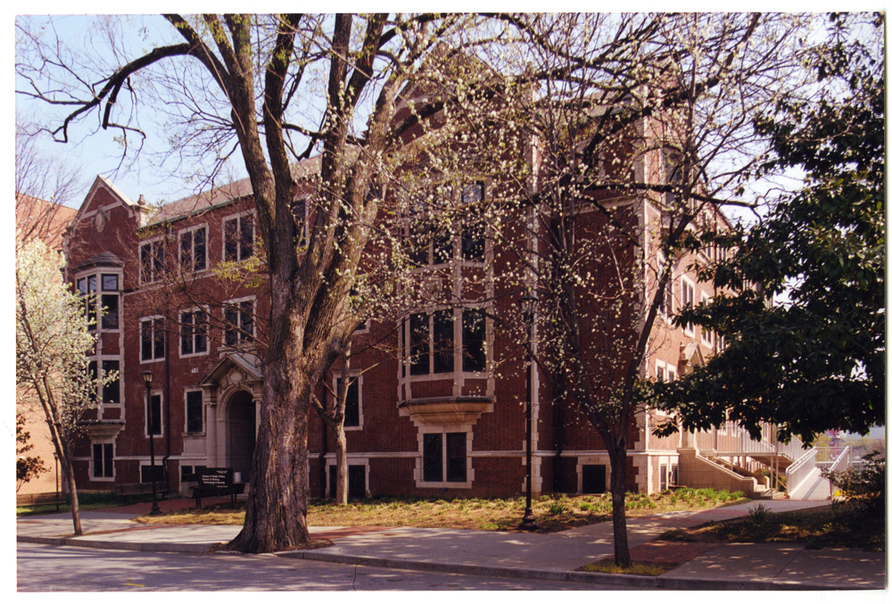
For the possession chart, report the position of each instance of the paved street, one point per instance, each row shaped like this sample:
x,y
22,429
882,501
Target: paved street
x,y
52,568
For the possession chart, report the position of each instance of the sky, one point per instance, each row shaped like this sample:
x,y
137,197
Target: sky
x,y
94,151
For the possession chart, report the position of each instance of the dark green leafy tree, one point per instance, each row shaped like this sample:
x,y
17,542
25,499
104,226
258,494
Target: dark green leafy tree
x,y
805,348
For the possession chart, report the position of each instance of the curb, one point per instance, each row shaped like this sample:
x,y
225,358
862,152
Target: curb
x,y
551,575
177,548
619,580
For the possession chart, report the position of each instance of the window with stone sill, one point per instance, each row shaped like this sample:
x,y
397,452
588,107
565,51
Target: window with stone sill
x,y
152,339
238,237
151,257
238,316
193,249
101,294
432,341
193,332
445,457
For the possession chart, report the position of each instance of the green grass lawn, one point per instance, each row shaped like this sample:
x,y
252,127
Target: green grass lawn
x,y
553,512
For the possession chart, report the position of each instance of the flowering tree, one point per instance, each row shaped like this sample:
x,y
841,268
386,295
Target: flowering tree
x,y
637,134
52,343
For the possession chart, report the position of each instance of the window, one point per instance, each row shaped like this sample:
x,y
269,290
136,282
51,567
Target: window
x,y
152,338
352,403
430,243
687,301
153,419
193,332
239,318
194,418
687,293
419,344
451,460
107,299
111,392
86,287
103,460
473,340
668,306
238,237
707,335
444,342
473,243
193,249
93,375
151,255
432,343
148,473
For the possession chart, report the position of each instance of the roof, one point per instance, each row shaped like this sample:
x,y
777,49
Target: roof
x,y
220,196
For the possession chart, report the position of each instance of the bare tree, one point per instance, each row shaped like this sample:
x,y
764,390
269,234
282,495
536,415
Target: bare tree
x,y
259,73
639,132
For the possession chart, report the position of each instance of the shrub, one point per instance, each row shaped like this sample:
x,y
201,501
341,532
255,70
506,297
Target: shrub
x,y
864,486
758,513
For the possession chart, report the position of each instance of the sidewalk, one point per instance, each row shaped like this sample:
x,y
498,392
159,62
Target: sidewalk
x,y
552,556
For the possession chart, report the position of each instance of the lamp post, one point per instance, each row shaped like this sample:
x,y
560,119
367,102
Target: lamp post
x,y
147,377
527,304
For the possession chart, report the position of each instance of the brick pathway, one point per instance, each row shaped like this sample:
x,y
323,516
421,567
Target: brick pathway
x,y
669,553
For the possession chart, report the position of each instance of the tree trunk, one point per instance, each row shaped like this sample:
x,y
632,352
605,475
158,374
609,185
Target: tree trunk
x,y
621,554
72,491
341,459
275,518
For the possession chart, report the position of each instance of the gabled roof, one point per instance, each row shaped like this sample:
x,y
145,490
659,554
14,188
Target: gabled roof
x,y
248,364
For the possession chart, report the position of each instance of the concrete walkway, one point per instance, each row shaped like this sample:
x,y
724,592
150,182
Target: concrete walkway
x,y
552,556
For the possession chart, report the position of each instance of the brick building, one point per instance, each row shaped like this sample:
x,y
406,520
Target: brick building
x,y
437,409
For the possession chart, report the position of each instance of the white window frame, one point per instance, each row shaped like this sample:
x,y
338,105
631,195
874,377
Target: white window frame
x,y
238,220
241,338
688,298
192,229
660,365
458,343
102,443
356,376
182,325
152,242
94,297
100,371
671,373
186,431
443,431
153,358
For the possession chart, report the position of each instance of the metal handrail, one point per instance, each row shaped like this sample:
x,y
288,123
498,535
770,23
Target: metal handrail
x,y
800,469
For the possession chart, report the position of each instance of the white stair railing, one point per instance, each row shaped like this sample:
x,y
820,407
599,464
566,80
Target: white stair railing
x,y
843,462
800,469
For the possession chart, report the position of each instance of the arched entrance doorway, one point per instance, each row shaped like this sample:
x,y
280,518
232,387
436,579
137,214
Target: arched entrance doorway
x,y
241,432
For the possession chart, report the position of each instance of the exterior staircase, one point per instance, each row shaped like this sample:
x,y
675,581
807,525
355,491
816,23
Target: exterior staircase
x,y
727,457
